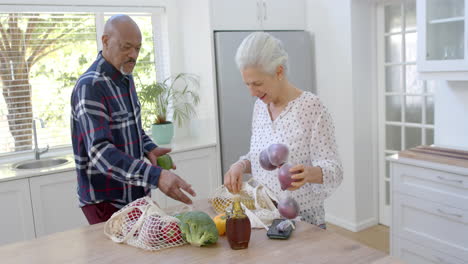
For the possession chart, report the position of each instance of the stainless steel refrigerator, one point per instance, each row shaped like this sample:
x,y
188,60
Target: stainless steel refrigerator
x,y
235,104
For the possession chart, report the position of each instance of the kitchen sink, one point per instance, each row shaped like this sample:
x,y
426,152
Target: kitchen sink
x,y
40,164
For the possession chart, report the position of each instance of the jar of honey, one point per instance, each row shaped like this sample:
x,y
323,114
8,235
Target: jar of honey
x,y
238,226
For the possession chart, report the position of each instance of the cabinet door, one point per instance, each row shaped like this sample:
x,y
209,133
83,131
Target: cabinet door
x,y
416,254
433,185
198,168
236,15
55,203
442,36
431,224
283,15
15,207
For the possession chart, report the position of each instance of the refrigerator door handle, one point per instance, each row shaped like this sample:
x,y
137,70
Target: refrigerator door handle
x,y
259,12
264,10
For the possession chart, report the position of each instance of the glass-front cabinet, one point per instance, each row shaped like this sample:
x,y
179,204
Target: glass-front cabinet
x,y
443,42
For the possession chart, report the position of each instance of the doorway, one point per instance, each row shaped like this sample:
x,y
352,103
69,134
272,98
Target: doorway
x,y
405,104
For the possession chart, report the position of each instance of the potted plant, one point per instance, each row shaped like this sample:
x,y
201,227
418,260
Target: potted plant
x,y
172,100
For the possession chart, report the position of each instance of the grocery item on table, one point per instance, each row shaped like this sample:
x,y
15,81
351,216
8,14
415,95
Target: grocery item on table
x,y
222,199
220,222
198,228
258,202
143,224
238,228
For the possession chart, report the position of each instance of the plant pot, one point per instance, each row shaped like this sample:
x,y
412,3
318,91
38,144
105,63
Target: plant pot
x,y
162,133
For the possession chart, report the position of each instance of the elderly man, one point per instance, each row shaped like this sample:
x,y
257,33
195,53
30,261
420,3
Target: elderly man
x,y
108,140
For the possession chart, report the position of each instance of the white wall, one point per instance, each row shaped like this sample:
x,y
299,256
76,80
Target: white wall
x,y
343,66
197,42
363,26
451,114
331,29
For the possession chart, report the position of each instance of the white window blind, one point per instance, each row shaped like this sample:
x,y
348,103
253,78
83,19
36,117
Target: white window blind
x,y
41,57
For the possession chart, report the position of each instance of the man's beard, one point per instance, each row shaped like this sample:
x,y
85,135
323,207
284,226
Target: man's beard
x,y
124,72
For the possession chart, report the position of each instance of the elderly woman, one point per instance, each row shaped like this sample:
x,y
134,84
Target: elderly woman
x,y
285,114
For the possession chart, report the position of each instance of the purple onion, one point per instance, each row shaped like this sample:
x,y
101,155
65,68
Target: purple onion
x,y
288,207
278,154
265,161
284,176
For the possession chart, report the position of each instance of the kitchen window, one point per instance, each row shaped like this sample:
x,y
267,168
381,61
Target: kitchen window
x,y
406,104
41,56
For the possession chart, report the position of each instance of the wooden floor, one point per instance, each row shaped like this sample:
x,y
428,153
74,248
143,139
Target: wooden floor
x,y
375,237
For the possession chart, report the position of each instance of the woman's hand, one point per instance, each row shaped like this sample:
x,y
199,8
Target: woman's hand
x,y
233,177
305,174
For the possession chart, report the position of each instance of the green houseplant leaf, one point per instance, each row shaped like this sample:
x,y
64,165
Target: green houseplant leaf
x,y
176,95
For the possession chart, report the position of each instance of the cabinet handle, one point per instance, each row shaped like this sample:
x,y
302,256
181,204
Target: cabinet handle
x,y
449,214
259,15
449,180
264,10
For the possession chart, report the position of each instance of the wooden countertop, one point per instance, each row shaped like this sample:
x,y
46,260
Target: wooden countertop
x,y
307,244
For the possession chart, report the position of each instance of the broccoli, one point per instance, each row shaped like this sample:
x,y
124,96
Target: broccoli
x,y
198,228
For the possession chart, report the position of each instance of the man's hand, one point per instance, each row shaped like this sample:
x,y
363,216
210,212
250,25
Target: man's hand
x,y
157,152
171,184
305,174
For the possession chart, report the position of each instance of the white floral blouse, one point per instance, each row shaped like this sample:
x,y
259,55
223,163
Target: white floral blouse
x,y
306,127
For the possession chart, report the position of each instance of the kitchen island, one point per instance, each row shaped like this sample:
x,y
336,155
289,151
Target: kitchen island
x,y
307,244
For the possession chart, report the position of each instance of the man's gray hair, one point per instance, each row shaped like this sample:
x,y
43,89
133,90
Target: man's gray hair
x,y
260,49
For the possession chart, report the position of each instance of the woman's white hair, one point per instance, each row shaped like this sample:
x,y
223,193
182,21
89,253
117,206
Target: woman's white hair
x,y
260,49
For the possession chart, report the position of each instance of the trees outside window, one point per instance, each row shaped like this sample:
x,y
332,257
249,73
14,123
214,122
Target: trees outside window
x,y
41,57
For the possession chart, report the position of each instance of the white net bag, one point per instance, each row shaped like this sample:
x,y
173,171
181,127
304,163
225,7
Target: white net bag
x,y
256,199
143,224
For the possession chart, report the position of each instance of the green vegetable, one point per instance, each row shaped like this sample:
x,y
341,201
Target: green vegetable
x,y
165,162
198,228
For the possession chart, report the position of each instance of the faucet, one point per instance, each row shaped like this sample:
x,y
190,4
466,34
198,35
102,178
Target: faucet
x,y
37,150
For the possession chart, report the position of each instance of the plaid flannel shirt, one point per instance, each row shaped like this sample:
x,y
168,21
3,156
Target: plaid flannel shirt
x,y
108,140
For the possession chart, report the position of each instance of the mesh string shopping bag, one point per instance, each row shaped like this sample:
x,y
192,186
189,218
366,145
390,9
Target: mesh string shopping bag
x,y
143,224
256,199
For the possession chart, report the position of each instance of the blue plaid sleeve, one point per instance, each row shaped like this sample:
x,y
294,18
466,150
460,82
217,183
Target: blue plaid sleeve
x,y
148,144
94,125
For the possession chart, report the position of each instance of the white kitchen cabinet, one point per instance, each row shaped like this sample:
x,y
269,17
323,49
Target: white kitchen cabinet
x,y
442,40
415,254
55,203
197,167
236,15
39,205
429,212
17,222
258,15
